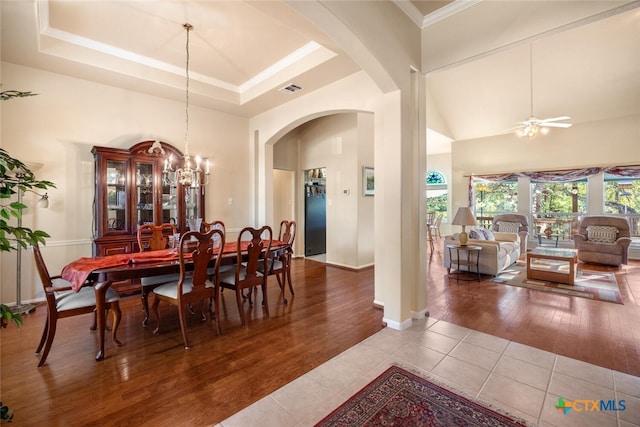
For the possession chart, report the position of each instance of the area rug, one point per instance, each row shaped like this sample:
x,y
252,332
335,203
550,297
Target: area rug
x,y
595,285
401,398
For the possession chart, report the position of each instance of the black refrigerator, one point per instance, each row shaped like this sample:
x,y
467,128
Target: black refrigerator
x,y
315,214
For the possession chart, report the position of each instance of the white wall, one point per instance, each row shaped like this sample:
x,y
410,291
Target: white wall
x,y
58,127
284,195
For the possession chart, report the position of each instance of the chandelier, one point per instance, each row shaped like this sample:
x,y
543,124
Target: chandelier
x,y
189,175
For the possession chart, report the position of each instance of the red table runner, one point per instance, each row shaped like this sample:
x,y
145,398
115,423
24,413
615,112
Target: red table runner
x,y
78,271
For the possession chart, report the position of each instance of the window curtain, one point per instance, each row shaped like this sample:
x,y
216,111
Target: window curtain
x,y
624,171
562,175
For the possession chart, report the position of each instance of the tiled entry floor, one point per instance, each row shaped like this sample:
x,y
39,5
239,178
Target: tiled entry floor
x,y
521,380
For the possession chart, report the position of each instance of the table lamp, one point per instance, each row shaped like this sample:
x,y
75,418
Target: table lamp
x,y
464,217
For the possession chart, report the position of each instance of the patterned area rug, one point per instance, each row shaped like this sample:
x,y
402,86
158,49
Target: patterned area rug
x,y
595,285
400,398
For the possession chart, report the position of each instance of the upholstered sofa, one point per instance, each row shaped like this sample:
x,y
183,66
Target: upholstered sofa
x,y
495,256
603,239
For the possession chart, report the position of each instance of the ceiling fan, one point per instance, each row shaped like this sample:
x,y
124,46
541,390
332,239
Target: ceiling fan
x,y
532,126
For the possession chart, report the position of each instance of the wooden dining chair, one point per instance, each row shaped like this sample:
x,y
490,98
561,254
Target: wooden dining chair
x,y
63,301
153,238
208,226
435,227
280,261
431,217
245,275
193,286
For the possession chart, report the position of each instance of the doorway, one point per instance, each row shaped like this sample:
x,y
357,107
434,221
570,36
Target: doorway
x,y
315,212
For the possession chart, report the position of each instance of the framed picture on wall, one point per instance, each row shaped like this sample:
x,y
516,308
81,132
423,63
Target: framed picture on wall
x,y
368,182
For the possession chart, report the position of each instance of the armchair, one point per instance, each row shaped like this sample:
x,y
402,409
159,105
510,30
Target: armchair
x,y
603,240
513,223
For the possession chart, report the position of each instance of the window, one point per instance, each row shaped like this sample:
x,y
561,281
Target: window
x,y
437,194
557,206
495,197
621,195
435,177
559,197
492,198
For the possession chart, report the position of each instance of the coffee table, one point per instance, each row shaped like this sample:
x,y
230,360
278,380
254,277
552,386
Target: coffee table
x,y
561,269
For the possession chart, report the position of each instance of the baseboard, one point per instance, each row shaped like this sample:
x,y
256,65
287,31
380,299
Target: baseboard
x,y
399,326
348,267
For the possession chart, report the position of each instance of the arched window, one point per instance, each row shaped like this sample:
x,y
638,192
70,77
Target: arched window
x,y
435,177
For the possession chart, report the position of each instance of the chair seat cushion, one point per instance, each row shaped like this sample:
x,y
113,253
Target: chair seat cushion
x,y
158,280
222,269
170,290
277,265
605,248
229,277
86,297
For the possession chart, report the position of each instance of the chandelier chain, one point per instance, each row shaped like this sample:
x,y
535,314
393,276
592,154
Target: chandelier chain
x,y
530,74
187,27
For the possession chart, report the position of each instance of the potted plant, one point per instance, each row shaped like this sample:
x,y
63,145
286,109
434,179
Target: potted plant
x,y
6,316
15,176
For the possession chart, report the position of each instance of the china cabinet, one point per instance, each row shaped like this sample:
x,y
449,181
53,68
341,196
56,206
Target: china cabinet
x,y
131,190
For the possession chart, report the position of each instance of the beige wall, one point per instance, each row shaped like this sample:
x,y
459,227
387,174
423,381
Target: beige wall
x,y
57,129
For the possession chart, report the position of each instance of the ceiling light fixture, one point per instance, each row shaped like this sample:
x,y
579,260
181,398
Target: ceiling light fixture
x,y
186,175
533,126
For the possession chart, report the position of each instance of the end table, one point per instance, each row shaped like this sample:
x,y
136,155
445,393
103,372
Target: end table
x,y
464,257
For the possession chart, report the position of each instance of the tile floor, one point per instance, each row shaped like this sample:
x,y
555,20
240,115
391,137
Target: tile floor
x,y
524,381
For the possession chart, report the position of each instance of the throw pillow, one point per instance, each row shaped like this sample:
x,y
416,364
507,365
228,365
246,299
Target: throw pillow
x,y
508,227
488,234
476,234
602,233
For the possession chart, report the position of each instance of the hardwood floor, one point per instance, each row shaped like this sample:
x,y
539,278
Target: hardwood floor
x,y
600,333
152,380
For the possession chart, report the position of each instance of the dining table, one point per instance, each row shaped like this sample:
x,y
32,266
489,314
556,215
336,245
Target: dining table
x,y
100,272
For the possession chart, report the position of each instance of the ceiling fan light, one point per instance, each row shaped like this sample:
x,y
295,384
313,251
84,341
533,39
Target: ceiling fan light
x,y
544,130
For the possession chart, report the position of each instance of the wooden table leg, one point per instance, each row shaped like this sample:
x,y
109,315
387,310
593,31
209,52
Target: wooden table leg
x,y
101,292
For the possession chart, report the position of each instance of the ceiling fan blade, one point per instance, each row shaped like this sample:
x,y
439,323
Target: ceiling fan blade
x,y
556,125
555,119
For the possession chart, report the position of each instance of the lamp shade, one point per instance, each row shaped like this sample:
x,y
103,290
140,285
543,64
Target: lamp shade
x,y
464,216
43,202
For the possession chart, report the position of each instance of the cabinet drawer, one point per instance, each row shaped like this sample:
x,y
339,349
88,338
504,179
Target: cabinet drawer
x,y
118,248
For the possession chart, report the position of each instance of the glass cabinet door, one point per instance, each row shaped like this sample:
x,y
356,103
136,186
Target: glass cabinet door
x,y
170,200
144,193
192,202
116,180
